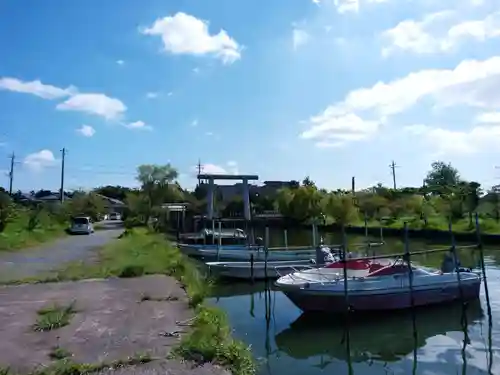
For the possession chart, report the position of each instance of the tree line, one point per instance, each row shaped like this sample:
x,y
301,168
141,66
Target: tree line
x,y
444,196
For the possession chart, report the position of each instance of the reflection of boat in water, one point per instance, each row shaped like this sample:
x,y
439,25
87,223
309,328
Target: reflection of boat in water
x,y
386,338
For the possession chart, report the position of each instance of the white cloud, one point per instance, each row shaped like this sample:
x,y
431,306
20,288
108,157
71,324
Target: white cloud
x,y
40,160
212,169
194,123
472,82
330,129
480,138
94,103
35,88
170,93
138,125
120,62
299,38
86,130
185,34
232,167
344,6
489,117
439,32
151,95
209,134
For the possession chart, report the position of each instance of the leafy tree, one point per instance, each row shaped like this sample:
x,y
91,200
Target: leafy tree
x,y
341,208
442,177
307,182
85,204
5,210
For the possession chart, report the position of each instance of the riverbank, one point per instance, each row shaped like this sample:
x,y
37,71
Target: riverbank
x,y
139,253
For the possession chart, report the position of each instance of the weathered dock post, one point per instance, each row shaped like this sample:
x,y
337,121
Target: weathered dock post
x,y
266,250
344,265
483,267
219,242
313,233
456,264
251,268
407,258
285,238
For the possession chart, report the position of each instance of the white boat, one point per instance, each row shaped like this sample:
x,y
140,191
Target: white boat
x,y
374,285
244,253
257,270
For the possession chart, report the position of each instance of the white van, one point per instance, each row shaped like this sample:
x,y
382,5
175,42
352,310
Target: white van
x,y
81,225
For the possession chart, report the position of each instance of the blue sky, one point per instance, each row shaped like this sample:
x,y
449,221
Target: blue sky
x,y
282,88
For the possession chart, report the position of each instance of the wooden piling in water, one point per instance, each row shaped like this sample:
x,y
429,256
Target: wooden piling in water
x,y
285,238
453,250
266,250
219,242
483,267
251,268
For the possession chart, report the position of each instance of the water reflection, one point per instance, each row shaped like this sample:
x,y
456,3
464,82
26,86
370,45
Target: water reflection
x,y
433,341
385,337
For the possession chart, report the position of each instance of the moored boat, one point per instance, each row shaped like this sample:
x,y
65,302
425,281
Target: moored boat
x,y
375,285
229,253
257,270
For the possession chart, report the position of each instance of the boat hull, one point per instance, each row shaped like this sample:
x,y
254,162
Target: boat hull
x,y
260,271
244,253
320,301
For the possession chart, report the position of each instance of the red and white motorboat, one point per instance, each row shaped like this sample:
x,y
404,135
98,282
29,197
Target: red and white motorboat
x,y
375,285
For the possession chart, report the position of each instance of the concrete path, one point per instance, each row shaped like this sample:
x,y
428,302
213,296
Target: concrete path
x,y
33,261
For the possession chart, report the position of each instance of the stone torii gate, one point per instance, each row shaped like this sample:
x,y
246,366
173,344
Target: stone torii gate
x,y
211,189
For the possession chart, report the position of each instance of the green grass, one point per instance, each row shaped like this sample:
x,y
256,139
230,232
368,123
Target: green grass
x,y
140,252
17,236
487,226
53,317
65,366
58,353
211,341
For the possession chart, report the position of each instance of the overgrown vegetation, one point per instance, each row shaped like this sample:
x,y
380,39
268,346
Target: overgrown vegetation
x,y
53,317
58,353
211,341
27,222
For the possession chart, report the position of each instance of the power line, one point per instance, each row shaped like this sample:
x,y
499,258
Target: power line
x,y
393,167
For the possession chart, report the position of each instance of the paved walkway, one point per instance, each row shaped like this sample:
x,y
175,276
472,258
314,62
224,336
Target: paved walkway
x,y
31,262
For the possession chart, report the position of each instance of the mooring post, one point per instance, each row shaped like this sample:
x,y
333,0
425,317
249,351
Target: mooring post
x,y
219,242
266,250
366,228
407,257
344,264
313,227
285,237
381,235
213,232
455,259
483,267
251,267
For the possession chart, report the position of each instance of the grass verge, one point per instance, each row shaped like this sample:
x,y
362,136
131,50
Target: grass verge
x,y
54,317
140,252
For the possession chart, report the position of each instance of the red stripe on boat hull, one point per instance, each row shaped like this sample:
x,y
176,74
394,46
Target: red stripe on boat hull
x,y
378,302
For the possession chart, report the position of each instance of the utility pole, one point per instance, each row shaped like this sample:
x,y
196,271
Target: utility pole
x,y
11,173
393,167
199,171
61,197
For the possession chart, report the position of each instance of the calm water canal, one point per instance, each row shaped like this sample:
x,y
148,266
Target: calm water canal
x,y
287,342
